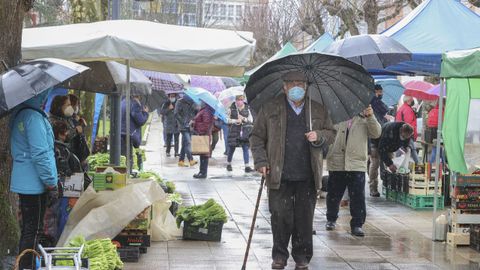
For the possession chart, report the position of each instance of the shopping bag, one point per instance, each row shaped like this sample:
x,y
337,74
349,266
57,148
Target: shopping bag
x,y
200,145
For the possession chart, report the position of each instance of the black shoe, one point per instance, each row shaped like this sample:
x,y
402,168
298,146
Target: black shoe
x,y
168,155
248,169
177,154
225,153
358,231
374,194
229,168
330,226
200,175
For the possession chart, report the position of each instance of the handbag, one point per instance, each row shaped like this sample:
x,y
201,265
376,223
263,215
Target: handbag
x,y
200,145
245,132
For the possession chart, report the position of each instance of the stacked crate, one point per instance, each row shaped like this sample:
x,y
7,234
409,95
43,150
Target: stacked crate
x,y
137,233
422,187
465,211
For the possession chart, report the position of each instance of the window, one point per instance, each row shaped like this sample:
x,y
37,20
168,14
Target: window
x,y
239,12
223,11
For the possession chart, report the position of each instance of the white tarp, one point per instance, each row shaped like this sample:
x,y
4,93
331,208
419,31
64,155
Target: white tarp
x,y
104,214
148,45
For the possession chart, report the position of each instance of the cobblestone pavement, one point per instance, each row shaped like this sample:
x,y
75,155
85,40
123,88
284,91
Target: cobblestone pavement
x,y
396,237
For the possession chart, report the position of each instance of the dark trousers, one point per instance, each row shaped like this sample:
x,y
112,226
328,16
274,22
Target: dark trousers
x,y
175,137
186,146
215,138
204,164
32,208
291,208
337,182
231,151
123,150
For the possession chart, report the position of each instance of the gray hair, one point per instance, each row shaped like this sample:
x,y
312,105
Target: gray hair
x,y
406,98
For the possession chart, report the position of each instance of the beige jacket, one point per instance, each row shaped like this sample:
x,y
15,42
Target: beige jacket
x,y
352,155
267,141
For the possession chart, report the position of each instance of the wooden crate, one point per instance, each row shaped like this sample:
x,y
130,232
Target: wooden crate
x,y
458,239
423,190
464,216
460,228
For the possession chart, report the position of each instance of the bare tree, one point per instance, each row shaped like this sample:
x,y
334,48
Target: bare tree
x,y
12,13
273,24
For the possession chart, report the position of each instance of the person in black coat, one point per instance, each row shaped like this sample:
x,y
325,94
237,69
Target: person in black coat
x,y
170,123
184,112
240,125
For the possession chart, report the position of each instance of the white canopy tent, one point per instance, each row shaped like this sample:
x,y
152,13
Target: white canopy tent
x,y
144,45
149,45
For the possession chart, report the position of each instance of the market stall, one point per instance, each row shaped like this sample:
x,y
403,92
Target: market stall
x,y
461,136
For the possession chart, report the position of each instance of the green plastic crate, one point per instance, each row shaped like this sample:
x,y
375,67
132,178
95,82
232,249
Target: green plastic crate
x,y
402,197
419,202
391,195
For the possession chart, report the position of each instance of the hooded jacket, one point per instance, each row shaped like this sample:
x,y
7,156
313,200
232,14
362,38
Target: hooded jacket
x,y
184,113
32,148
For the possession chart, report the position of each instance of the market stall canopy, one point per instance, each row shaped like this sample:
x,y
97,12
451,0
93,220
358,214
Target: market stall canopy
x,y
461,130
110,77
435,27
320,44
149,45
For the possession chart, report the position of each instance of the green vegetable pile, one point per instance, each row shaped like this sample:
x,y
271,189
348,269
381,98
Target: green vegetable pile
x,y
202,215
175,197
167,186
101,254
102,159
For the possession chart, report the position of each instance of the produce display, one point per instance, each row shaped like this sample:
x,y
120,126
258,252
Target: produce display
x,y
103,159
203,214
175,198
101,253
167,186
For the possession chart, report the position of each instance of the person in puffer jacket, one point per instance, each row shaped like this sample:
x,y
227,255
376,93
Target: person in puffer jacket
x,y
34,174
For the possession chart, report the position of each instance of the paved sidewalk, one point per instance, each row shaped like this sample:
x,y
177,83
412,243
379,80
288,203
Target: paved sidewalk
x,y
397,237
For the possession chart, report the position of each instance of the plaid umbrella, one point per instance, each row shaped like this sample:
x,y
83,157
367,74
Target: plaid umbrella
x,y
212,84
165,82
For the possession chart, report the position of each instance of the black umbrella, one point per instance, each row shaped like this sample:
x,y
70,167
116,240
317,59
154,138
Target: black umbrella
x,y
29,79
370,51
342,86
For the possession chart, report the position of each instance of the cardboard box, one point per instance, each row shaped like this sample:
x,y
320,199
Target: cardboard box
x,y
125,239
109,181
73,186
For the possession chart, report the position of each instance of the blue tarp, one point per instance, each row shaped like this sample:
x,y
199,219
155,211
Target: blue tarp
x,y
392,90
96,114
434,27
320,44
55,92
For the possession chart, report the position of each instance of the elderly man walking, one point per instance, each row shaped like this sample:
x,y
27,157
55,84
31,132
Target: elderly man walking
x,y
347,165
287,152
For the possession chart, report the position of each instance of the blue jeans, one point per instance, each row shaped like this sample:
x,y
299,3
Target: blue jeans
x,y
186,146
231,151
225,136
434,155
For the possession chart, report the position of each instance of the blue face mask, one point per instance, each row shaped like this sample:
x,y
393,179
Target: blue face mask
x,y
296,93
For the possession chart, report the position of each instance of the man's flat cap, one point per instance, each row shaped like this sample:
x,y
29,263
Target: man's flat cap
x,y
294,76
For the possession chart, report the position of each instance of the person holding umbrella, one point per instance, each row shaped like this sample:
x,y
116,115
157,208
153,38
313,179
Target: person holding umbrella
x,y
240,123
347,164
203,125
184,112
170,124
287,152
34,174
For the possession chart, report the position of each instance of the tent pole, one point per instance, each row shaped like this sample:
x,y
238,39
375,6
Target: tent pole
x,y
115,128
127,122
437,156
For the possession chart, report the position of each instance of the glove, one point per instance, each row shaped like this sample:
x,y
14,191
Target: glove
x,y
52,196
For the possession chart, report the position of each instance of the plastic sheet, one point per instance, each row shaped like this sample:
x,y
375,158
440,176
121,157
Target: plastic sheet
x,y
104,214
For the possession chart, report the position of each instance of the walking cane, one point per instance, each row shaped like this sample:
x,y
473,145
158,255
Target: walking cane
x,y
245,259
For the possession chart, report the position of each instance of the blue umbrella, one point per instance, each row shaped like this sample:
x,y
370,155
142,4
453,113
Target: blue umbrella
x,y
199,94
392,91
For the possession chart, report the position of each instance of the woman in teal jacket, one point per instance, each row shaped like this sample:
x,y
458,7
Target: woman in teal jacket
x,y
34,174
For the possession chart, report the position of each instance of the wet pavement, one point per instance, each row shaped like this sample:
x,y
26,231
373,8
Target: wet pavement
x,y
396,237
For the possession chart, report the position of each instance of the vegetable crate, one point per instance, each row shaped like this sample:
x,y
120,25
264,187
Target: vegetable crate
x,y
142,221
213,232
419,202
391,195
402,197
132,239
129,254
471,180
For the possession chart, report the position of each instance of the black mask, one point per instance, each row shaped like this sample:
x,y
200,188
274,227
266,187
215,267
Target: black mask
x,y
380,96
